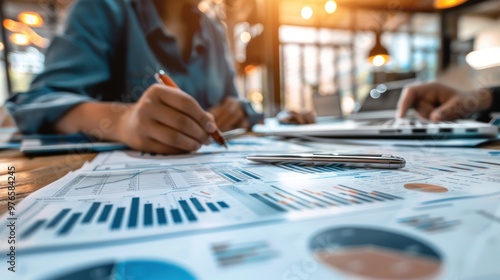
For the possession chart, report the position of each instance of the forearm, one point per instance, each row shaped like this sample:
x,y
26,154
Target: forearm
x,y
99,119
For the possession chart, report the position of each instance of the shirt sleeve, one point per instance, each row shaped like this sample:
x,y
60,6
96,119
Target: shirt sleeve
x,y
77,67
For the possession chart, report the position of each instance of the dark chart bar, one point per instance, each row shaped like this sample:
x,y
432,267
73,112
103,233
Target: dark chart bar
x,y
162,218
249,174
58,218
187,210
69,224
298,199
336,198
387,195
134,213
212,207
33,228
486,162
91,213
105,213
232,177
268,203
148,214
197,204
176,216
362,193
117,220
222,204
317,198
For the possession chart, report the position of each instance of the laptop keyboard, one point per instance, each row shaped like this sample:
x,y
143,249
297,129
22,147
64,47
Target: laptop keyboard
x,y
417,123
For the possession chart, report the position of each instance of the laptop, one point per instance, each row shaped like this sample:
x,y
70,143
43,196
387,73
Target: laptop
x,y
375,119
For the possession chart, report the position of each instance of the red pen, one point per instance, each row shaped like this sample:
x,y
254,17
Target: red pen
x,y
163,78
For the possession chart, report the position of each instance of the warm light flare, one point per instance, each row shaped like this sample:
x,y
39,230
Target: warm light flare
x,y
203,6
31,19
330,6
485,58
445,4
245,37
379,60
19,39
1,46
306,12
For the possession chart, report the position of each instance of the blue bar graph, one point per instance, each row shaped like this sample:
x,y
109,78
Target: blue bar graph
x,y
162,218
33,228
197,204
176,216
250,174
187,210
105,213
117,220
58,218
69,224
232,177
90,214
317,198
212,207
134,213
267,202
148,214
222,204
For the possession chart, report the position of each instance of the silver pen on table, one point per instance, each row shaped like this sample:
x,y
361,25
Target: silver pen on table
x,y
356,160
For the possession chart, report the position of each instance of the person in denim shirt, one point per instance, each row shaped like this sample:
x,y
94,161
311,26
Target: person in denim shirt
x,y
99,77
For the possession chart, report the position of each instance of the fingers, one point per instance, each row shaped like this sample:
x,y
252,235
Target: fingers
x,y
229,114
450,110
292,117
179,122
406,101
184,103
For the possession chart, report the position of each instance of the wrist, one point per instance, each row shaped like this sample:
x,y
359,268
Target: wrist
x,y
485,99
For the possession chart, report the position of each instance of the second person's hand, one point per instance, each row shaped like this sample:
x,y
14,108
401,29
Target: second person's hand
x,y
230,114
438,102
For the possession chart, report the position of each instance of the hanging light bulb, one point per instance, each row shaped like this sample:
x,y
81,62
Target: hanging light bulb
x,y
330,6
378,55
445,4
306,12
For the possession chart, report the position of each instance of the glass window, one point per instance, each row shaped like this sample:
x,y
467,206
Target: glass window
x,y
29,26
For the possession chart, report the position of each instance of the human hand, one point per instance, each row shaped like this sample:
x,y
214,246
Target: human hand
x,y
230,115
165,120
438,102
292,117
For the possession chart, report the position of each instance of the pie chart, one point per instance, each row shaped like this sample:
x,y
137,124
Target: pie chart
x,y
129,269
422,187
369,253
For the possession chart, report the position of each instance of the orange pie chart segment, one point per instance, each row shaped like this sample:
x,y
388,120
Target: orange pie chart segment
x,y
422,187
367,253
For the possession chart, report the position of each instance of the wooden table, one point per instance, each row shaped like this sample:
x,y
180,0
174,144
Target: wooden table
x,y
33,173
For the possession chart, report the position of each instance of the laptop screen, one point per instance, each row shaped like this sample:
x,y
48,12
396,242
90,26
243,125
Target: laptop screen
x,y
383,97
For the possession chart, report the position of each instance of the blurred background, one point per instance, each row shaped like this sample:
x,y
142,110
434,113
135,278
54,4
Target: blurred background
x,y
289,53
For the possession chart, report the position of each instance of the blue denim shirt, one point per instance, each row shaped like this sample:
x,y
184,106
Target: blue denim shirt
x,y
111,49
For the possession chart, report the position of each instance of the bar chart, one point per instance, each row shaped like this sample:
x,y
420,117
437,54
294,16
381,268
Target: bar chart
x,y
137,214
274,199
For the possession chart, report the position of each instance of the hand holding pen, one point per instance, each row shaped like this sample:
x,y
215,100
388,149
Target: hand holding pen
x,y
165,120
164,79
